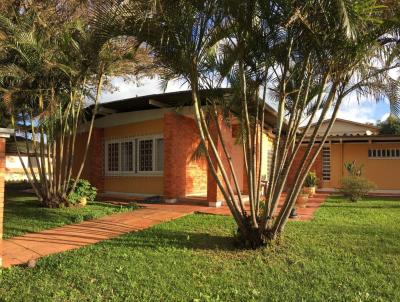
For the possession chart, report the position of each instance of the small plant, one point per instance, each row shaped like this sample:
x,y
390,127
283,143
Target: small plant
x,y
83,190
352,168
355,187
311,180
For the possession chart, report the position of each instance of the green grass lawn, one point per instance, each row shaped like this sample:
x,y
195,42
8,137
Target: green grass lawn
x,y
24,215
349,252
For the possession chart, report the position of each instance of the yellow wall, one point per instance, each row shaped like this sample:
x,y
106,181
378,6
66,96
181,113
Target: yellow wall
x,y
139,184
383,172
267,147
135,184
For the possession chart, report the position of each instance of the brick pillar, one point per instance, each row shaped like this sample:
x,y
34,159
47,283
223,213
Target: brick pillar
x,y
245,189
175,156
4,133
95,159
297,163
214,195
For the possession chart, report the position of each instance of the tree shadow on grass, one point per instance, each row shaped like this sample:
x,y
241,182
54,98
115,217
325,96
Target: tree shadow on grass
x,y
164,238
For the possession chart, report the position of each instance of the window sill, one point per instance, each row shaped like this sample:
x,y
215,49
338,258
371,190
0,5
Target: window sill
x,y
135,175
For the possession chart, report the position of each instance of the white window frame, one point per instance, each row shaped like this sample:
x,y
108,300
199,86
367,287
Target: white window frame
x,y
124,173
136,166
107,171
326,163
154,138
371,152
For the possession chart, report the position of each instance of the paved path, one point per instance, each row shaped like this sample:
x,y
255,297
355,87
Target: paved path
x,y
20,250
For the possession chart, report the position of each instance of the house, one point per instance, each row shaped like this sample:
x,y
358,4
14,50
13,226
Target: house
x,y
14,171
351,141
145,146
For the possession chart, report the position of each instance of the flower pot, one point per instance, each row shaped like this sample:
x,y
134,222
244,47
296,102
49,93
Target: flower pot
x,y
310,191
302,200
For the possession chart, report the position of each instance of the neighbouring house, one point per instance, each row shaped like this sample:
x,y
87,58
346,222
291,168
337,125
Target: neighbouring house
x,y
146,146
4,135
14,171
348,141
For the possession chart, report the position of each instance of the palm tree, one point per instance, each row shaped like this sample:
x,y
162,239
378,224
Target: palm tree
x,y
50,71
311,54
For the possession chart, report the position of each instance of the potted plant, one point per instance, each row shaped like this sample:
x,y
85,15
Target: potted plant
x,y
310,184
302,199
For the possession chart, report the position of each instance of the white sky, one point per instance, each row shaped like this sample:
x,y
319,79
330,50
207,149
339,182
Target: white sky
x,y
352,109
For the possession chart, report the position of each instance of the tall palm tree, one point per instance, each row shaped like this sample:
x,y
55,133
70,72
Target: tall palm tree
x,y
312,54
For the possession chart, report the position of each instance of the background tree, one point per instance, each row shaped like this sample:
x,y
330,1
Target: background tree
x,y
309,54
390,126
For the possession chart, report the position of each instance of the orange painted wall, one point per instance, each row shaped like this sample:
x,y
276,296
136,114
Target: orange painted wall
x,y
135,184
127,184
383,172
135,129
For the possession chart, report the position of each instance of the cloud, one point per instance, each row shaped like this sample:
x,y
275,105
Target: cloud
x,y
146,86
363,110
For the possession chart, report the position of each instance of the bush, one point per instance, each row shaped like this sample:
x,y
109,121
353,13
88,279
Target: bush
x,y
83,189
356,187
311,180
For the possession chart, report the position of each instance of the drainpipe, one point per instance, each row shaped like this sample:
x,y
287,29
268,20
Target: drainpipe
x,y
4,134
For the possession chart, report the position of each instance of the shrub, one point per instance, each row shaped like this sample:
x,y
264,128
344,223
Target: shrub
x,y
311,180
83,189
356,187
353,169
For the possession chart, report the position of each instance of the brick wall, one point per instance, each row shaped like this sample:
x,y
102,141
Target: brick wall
x,y
316,167
213,192
95,160
2,172
182,175
94,166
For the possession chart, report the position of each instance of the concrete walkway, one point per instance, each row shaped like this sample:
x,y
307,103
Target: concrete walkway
x,y
20,250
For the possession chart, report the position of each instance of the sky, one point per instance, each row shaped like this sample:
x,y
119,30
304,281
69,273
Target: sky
x,y
364,110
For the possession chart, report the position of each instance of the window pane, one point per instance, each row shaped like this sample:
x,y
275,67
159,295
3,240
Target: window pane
x,y
326,163
113,156
160,154
127,156
146,155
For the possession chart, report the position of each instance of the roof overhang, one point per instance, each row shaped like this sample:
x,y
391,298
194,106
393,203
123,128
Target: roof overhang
x,y
171,100
338,139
